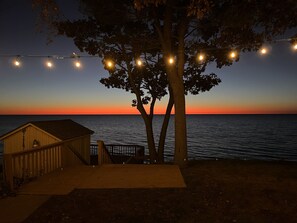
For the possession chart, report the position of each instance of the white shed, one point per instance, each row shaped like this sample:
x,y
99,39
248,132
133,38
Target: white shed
x,y
39,147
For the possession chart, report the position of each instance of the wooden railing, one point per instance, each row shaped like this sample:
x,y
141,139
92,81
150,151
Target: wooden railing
x,y
121,153
77,154
1,170
21,166
104,156
31,163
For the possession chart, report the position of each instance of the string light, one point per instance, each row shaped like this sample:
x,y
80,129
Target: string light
x,y
49,64
263,50
233,54
200,57
17,63
171,60
139,62
77,64
109,64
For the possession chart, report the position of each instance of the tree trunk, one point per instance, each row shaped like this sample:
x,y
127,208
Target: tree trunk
x,y
177,86
150,139
148,119
175,78
163,132
180,152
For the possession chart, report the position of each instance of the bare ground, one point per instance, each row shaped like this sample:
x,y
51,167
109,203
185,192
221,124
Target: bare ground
x,y
217,191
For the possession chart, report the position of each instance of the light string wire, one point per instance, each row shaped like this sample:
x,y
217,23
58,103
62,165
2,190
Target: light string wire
x,y
138,62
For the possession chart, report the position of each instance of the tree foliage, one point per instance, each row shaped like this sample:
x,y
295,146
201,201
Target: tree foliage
x,y
118,32
215,27
158,29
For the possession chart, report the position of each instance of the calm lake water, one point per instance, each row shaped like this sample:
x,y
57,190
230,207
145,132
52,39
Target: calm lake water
x,y
261,137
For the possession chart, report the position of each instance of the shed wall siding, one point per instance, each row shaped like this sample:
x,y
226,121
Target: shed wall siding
x,y
14,143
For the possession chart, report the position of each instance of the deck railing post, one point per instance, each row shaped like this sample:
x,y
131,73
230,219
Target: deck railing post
x,y
100,152
8,171
104,156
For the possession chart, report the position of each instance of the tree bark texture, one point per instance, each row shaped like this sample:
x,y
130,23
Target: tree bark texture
x,y
163,133
175,79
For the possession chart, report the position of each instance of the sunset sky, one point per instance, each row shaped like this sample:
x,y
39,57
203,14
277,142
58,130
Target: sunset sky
x,y
254,85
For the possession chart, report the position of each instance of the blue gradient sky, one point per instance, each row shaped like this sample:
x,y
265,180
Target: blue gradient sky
x,y
255,84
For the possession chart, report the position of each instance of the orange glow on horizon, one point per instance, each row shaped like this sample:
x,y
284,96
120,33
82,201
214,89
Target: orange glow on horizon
x,y
127,110
71,111
241,110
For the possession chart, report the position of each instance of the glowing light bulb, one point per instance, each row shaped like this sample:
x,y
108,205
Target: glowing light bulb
x,y
139,62
171,60
77,64
263,51
233,55
17,63
201,57
109,64
49,64
295,46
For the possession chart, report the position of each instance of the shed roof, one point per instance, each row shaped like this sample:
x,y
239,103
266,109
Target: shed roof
x,y
61,129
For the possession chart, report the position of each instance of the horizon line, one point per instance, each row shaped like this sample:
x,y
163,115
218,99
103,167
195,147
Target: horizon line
x,y
84,114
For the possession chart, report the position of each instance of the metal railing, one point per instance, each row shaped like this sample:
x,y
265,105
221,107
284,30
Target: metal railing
x,y
94,149
122,153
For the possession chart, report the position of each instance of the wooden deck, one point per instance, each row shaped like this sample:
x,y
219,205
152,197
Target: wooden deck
x,y
33,194
105,176
31,163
